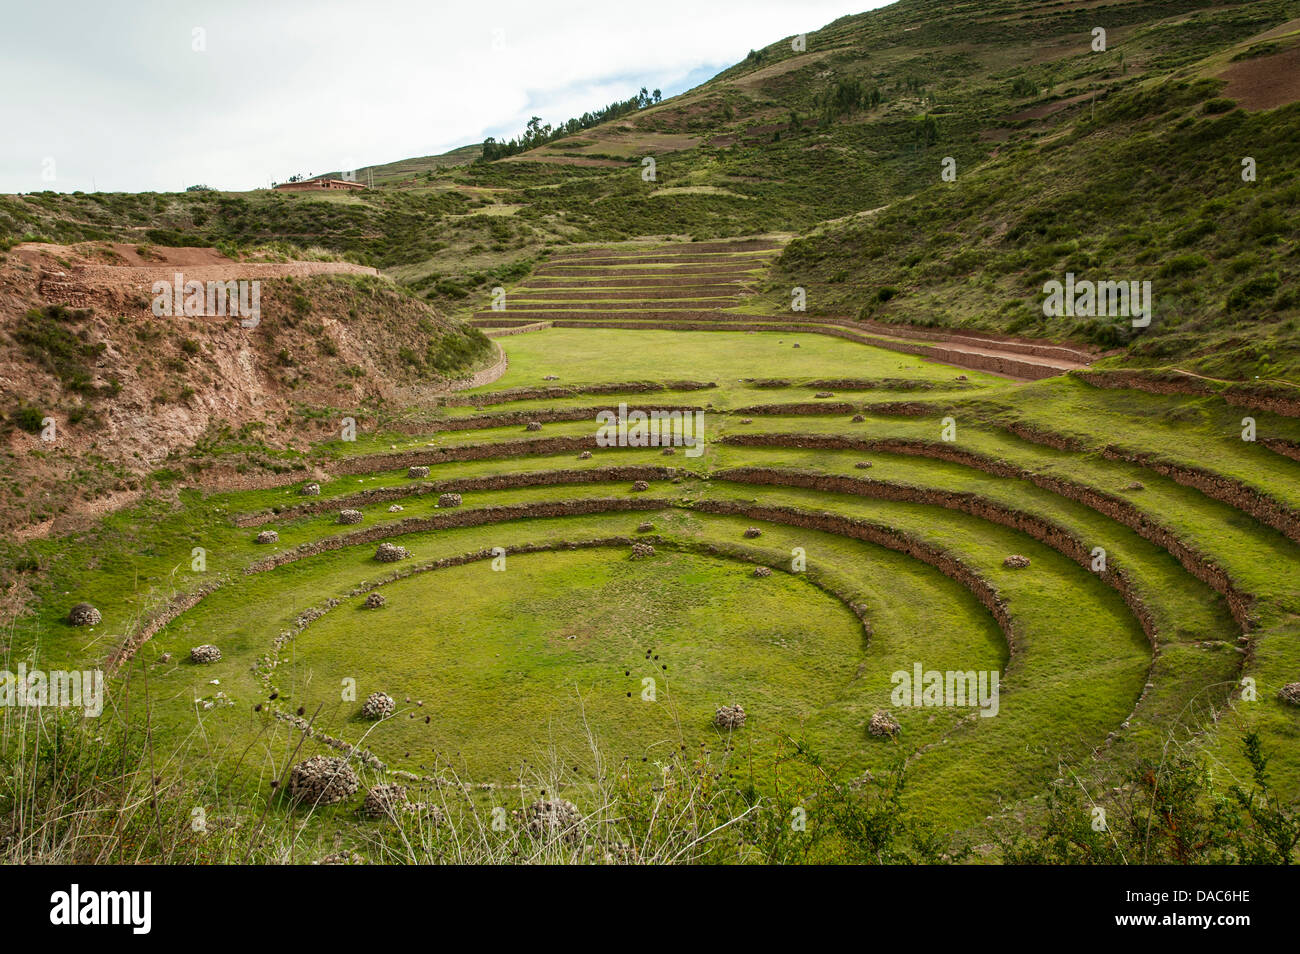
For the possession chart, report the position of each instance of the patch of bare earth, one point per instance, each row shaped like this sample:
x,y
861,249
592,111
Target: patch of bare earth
x,y
1265,81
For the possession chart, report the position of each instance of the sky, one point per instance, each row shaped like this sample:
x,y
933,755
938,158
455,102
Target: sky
x,y
152,95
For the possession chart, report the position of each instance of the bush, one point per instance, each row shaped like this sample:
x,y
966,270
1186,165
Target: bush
x,y
1183,265
27,418
47,339
1252,292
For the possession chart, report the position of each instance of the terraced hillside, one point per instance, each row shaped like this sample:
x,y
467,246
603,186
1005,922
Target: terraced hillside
x,y
883,493
783,499
703,286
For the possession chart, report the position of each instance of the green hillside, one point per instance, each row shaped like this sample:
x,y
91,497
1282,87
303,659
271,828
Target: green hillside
x,y
1125,164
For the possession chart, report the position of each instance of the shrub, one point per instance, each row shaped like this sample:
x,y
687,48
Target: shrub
x,y
1183,265
27,417
1252,292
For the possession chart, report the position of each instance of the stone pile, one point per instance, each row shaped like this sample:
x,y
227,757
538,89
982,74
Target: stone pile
x,y
762,571
322,780
550,818
387,800
1290,693
729,717
416,473
310,490
640,550
640,486
350,516
83,614
752,532
449,500
533,426
883,724
268,536
374,601
378,705
207,653
1016,562
390,553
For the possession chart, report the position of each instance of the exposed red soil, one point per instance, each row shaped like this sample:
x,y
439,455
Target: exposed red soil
x,y
1265,81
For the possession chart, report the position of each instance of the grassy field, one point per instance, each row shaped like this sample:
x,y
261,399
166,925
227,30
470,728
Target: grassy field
x,y
508,673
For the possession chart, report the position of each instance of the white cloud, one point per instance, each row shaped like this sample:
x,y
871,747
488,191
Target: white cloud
x,y
116,95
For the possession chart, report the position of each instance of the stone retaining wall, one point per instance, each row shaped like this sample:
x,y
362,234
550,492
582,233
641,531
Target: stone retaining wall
x,y
1201,567
1044,531
461,518
424,456
889,537
1264,508
1279,398
571,390
594,475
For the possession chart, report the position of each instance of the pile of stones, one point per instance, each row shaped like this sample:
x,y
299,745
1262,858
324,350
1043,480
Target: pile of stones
x,y
533,426
449,500
729,717
823,394
640,486
585,455
378,705
883,724
762,571
374,601
207,653
310,490
1016,562
350,516
644,527
1290,693
390,553
268,536
417,472
396,508
640,550
83,614
386,800
863,465
752,532
547,818
322,780
858,419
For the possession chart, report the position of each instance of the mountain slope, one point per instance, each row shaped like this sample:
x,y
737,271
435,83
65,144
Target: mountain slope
x,y
1059,150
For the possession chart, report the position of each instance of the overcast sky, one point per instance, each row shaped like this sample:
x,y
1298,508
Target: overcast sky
x,y
153,96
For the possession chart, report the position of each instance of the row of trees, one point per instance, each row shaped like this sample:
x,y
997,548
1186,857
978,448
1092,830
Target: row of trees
x,y
539,134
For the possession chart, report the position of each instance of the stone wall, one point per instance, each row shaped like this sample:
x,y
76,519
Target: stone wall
x,y
1239,602
593,475
1264,508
